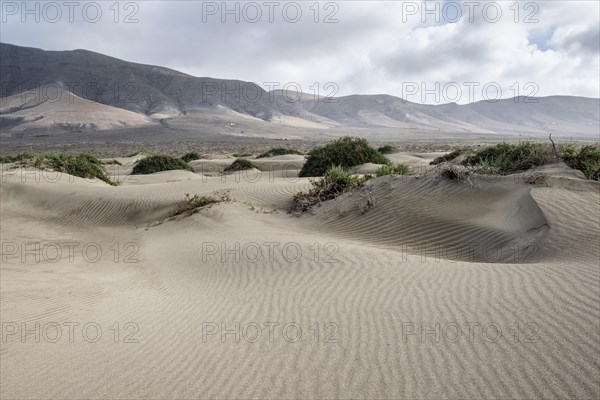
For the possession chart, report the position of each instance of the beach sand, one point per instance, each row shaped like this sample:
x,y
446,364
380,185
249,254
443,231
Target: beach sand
x,y
413,288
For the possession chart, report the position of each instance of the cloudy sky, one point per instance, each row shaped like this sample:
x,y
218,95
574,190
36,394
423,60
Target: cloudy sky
x,y
428,52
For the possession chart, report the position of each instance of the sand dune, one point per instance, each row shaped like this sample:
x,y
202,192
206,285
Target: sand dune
x,y
359,297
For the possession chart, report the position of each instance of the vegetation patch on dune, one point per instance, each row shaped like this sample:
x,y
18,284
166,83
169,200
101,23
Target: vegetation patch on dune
x,y
345,152
193,204
388,149
335,182
278,151
81,165
398,169
241,164
586,160
191,156
159,163
17,158
508,158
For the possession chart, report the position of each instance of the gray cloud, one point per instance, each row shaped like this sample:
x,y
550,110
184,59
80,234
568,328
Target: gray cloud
x,y
373,48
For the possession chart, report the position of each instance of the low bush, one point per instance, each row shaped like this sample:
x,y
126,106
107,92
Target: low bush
x,y
278,151
507,158
398,169
586,160
240,164
334,183
159,163
17,158
193,204
191,156
81,165
345,152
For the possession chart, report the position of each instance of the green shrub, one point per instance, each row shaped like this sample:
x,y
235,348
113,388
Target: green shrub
x,y
586,160
345,152
17,158
449,156
278,151
191,156
398,169
334,183
81,165
240,164
388,149
507,158
159,163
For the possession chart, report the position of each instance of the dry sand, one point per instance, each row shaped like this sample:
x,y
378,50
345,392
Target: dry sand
x,y
351,301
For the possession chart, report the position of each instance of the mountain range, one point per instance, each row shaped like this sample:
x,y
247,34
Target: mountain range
x,y
83,91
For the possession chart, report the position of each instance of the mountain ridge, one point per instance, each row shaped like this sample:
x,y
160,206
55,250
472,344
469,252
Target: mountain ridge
x,y
166,96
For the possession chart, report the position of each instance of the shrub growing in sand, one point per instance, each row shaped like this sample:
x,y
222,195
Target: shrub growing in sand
x,y
191,156
507,158
81,165
334,183
159,163
345,152
398,169
240,164
586,160
388,149
17,158
278,151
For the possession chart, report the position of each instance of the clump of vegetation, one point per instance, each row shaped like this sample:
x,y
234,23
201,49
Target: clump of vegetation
x,y
159,163
336,182
241,164
242,155
191,156
449,156
192,204
82,165
278,151
507,158
398,169
388,149
535,177
345,152
454,172
13,159
586,160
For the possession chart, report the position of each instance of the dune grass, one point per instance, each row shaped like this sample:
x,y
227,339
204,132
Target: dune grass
x,y
191,156
336,181
159,163
345,152
241,164
398,169
278,151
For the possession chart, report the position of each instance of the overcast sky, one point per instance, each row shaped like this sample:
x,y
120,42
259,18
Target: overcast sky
x,y
365,47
